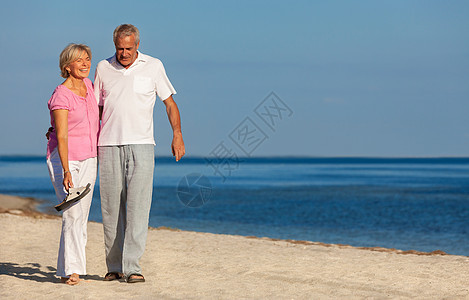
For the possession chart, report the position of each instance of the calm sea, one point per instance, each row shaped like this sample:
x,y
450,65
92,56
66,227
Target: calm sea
x,y
415,203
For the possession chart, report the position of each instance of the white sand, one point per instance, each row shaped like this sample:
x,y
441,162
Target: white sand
x,y
190,265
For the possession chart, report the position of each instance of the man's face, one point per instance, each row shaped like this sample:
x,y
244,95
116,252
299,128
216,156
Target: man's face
x,y
126,50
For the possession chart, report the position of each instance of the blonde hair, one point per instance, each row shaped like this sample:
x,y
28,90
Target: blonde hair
x,y
126,30
71,53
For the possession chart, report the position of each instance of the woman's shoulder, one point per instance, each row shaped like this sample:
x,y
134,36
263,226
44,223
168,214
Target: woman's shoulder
x,y
89,84
60,98
60,91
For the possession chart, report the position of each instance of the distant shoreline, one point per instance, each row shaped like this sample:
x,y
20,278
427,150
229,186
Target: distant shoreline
x,y
26,206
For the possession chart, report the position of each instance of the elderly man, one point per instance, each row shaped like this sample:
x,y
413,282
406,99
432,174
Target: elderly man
x,y
126,86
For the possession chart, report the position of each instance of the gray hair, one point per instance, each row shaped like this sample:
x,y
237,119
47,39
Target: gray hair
x,y
124,30
70,54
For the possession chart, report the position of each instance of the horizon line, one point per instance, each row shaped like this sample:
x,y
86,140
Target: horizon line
x,y
282,156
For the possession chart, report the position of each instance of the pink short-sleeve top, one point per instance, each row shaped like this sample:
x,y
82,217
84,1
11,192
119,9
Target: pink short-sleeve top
x,y
83,122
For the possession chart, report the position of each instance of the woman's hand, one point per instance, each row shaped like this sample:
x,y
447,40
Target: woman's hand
x,y
68,183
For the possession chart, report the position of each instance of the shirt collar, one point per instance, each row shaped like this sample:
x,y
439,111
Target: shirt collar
x,y
141,57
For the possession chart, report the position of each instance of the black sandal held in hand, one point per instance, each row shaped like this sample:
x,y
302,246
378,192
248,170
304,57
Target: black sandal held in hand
x,y
74,195
135,279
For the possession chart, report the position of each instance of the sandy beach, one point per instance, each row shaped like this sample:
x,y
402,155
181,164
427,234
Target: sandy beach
x,y
191,265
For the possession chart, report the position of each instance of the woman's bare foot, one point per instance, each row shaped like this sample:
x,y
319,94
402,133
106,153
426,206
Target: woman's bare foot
x,y
72,280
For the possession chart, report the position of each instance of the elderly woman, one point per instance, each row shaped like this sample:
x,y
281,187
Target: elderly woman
x,y
72,155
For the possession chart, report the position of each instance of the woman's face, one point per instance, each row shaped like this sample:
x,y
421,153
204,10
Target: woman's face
x,y
80,68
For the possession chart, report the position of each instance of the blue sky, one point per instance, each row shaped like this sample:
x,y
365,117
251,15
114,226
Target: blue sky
x,y
362,78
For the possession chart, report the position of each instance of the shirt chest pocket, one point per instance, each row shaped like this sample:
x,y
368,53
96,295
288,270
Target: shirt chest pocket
x,y
143,85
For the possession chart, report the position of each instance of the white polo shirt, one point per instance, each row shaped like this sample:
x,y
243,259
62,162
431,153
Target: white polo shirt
x,y
128,98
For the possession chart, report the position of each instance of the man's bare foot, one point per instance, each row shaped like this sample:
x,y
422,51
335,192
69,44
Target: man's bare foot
x,y
72,280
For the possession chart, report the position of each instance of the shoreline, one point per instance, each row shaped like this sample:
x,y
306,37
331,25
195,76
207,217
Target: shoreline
x,y
27,206
181,264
